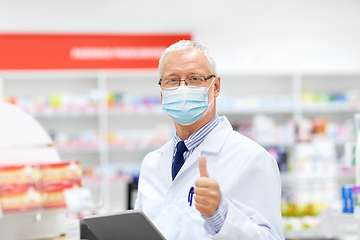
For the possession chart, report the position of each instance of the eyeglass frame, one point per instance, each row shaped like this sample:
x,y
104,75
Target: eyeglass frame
x,y
179,80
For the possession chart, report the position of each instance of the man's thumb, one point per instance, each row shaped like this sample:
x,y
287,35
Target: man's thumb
x,y
202,167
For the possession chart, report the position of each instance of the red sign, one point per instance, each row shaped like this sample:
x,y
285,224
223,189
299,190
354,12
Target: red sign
x,y
83,51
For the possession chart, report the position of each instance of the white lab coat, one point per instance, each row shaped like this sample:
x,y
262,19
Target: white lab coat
x,y
248,177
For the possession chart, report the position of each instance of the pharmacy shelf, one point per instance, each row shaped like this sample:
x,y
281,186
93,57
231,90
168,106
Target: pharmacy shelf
x,y
339,225
78,150
37,214
110,148
33,224
65,115
276,143
287,177
134,149
137,110
106,118
337,108
41,223
303,234
333,225
261,110
157,111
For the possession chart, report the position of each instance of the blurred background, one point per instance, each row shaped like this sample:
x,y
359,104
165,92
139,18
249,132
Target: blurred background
x,y
87,72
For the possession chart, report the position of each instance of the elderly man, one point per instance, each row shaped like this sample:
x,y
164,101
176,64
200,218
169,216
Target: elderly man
x,y
208,182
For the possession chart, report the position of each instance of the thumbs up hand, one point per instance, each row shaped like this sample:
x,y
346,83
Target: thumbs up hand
x,y
207,190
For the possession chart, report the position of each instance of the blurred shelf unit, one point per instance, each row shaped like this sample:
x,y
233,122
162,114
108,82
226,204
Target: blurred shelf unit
x,y
330,225
303,234
339,175
90,109
109,120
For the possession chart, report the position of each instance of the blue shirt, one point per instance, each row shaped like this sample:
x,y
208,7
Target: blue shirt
x,y
214,222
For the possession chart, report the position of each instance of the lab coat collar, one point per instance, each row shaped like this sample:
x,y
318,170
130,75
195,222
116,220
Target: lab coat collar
x,y
166,146
211,144
216,138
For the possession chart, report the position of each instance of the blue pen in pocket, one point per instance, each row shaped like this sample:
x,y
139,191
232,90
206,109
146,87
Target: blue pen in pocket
x,y
190,196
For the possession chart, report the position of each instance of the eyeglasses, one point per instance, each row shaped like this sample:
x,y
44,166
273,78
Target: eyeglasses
x,y
194,81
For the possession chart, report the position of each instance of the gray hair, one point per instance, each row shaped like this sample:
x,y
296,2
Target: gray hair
x,y
186,45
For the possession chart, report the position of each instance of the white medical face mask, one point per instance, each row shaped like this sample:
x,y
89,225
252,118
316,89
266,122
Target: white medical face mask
x,y
186,105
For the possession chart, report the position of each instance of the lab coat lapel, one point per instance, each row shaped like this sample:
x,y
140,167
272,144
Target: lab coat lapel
x,y
211,144
165,161
216,138
193,158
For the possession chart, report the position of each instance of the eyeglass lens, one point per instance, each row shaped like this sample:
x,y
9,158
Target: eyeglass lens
x,y
198,81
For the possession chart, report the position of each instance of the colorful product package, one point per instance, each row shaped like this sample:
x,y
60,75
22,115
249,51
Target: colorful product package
x,y
30,187
347,196
356,200
62,170
52,192
19,174
19,197
55,178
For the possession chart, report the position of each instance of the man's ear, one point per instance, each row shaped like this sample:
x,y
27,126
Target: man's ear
x,y
161,95
217,86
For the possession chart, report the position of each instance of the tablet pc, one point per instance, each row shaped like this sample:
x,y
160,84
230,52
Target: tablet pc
x,y
127,225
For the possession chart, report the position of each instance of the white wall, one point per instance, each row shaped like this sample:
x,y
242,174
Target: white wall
x,y
244,35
